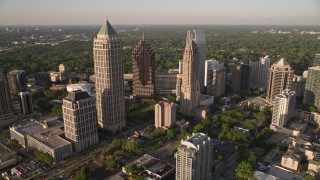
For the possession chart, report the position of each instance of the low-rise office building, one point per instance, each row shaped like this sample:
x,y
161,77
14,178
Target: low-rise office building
x,y
7,157
46,136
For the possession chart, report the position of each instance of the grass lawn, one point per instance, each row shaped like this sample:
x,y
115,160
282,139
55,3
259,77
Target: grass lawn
x,y
144,113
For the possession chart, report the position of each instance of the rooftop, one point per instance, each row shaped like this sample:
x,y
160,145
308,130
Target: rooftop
x,y
107,29
48,132
195,140
282,62
6,153
285,94
51,138
77,95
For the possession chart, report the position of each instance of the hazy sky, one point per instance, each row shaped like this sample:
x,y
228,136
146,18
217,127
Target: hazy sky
x,y
92,12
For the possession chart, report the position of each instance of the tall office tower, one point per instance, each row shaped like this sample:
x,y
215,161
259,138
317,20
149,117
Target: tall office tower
x,y
215,77
108,68
25,100
280,78
143,70
6,108
240,80
194,158
164,114
17,81
283,108
312,88
259,72
298,85
190,88
199,38
42,79
64,72
316,61
180,66
178,86
80,120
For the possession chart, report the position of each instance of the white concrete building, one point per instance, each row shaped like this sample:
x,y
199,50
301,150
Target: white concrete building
x,y
80,120
194,158
283,108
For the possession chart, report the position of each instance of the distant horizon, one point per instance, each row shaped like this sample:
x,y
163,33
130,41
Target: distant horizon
x,y
48,25
177,12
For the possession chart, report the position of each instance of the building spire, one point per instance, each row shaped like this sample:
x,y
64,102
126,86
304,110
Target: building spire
x,y
142,37
106,19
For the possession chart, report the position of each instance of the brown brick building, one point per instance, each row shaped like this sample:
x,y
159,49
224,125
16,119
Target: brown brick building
x,y
143,70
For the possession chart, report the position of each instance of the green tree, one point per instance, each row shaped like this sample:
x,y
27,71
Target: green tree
x,y
244,170
170,134
198,128
111,163
57,110
117,143
83,174
131,169
309,177
252,159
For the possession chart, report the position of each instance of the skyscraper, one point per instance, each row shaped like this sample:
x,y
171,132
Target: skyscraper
x,y
194,158
215,77
199,38
108,68
283,108
164,114
6,108
17,81
312,88
80,120
64,72
259,72
280,78
240,80
143,70
25,102
190,88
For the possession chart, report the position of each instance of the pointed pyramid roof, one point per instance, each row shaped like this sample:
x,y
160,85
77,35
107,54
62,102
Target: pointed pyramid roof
x,y
282,62
107,29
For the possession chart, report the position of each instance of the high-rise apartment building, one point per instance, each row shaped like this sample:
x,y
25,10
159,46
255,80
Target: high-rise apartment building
x,y
17,81
298,85
108,68
215,77
64,72
194,158
164,114
312,88
240,80
259,72
42,79
143,70
6,108
190,88
283,108
280,78
80,120
25,100
199,38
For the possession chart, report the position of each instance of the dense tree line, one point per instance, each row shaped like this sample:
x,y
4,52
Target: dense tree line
x,y
223,43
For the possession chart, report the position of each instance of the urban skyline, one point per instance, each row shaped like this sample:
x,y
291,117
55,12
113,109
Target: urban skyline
x,y
273,12
78,103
